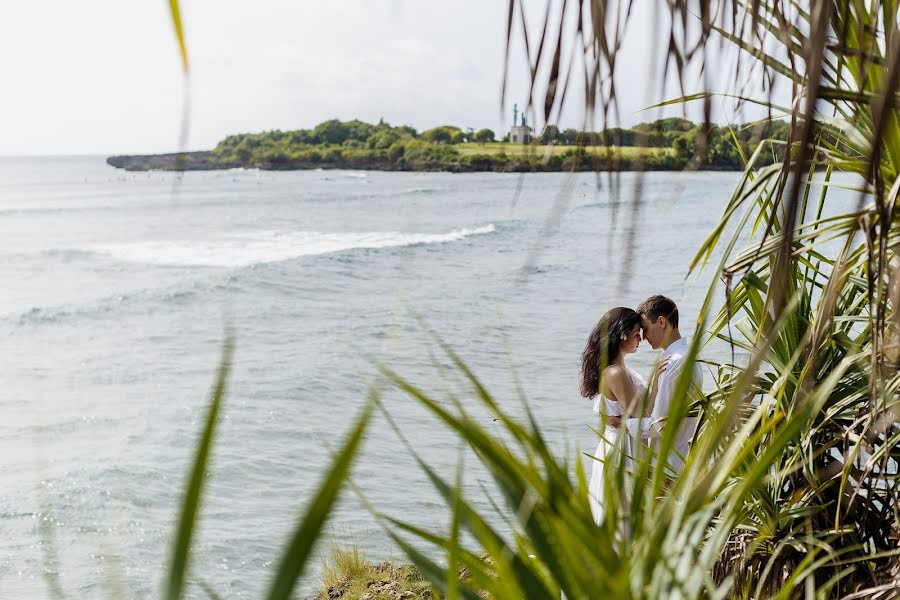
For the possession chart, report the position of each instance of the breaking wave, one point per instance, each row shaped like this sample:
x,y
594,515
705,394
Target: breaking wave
x,y
271,246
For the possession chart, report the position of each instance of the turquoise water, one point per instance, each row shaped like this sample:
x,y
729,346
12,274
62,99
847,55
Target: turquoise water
x,y
119,287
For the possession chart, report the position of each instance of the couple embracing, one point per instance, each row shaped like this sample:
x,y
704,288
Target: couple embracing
x,y
634,411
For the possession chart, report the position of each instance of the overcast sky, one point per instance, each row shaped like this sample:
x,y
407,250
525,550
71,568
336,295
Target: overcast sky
x,y
103,76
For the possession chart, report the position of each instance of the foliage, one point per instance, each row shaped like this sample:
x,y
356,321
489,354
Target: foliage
x,y
441,135
336,143
347,574
791,486
550,134
483,136
568,137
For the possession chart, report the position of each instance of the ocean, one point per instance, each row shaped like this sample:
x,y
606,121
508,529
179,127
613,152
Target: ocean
x,y
120,287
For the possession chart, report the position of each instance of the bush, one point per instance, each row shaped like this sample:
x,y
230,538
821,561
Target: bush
x,y
482,161
333,154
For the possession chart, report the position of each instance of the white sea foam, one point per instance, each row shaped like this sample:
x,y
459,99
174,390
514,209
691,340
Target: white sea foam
x,y
337,175
271,246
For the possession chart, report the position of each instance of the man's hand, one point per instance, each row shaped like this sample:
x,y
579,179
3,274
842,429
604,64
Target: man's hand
x,y
614,422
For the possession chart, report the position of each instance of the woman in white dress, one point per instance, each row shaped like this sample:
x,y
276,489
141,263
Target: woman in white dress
x,y
619,391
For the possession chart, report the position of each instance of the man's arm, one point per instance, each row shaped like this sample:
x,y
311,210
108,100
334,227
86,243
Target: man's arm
x,y
638,426
644,427
661,367
651,427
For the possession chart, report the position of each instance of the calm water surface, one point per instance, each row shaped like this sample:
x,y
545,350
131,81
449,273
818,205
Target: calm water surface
x,y
119,286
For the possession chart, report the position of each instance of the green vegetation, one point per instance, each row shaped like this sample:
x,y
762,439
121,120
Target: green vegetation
x,y
539,151
347,574
792,485
666,144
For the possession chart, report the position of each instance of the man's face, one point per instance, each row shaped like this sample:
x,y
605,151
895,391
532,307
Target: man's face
x,y
653,331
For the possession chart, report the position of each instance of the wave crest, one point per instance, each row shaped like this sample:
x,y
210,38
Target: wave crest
x,y
272,246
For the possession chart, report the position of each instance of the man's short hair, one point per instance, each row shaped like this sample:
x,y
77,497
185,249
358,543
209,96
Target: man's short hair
x,y
659,306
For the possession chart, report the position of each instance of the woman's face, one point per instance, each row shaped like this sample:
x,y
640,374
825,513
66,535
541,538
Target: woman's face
x,y
630,344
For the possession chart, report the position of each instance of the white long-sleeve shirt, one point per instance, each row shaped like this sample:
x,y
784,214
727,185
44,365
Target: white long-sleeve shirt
x,y
650,428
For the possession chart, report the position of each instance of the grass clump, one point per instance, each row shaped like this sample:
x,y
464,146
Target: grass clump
x,y
348,574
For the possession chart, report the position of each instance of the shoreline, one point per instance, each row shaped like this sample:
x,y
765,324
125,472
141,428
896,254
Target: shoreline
x,y
205,160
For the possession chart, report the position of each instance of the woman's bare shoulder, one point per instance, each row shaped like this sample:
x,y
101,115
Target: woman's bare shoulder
x,y
615,371
613,375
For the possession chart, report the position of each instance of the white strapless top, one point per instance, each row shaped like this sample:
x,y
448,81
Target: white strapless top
x,y
611,408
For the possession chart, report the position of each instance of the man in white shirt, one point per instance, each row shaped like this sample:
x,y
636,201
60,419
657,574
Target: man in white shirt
x,y
659,325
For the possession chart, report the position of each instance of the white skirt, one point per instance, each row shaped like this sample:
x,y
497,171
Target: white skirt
x,y
616,451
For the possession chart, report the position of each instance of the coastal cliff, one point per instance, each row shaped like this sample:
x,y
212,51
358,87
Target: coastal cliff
x,y
525,161
203,160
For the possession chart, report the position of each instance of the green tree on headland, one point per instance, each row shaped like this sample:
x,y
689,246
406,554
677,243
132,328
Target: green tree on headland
x,y
484,136
567,137
550,134
444,134
330,132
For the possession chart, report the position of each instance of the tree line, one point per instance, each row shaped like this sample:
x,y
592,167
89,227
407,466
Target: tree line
x,y
356,143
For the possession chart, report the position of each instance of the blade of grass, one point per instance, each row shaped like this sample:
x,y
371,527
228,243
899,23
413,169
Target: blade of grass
x,y
175,12
299,548
190,507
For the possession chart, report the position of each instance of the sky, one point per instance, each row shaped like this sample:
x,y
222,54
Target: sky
x,y
104,76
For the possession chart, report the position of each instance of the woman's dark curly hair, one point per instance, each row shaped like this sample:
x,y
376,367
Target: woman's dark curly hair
x,y
603,346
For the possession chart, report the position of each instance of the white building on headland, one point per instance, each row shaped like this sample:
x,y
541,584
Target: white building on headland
x,y
519,134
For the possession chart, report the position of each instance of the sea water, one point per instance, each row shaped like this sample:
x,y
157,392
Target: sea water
x,y
119,289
